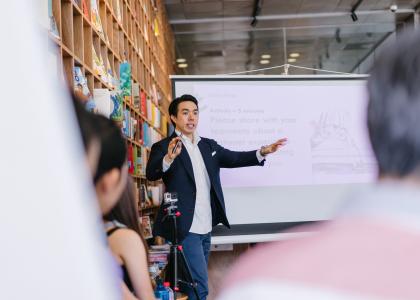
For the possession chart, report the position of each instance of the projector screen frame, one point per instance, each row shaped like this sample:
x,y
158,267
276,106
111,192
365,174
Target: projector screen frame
x,y
261,228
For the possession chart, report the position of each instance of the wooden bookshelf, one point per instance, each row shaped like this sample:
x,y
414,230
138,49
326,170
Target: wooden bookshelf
x,y
136,31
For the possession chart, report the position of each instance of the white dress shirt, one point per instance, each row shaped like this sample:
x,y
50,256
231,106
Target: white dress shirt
x,y
202,220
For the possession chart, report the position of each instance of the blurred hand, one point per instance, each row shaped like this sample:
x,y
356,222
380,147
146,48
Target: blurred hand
x,y
265,150
172,152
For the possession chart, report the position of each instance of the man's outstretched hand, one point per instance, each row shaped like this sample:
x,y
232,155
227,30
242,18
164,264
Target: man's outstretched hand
x,y
265,150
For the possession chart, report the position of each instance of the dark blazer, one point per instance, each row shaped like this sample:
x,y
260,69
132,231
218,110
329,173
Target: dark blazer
x,y
179,178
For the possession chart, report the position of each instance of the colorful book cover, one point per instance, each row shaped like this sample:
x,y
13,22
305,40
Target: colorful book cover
x,y
117,101
156,27
138,162
146,227
143,103
145,134
80,83
98,64
109,74
125,78
96,19
126,123
85,8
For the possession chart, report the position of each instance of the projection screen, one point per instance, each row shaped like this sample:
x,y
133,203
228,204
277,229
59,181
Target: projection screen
x,y
327,154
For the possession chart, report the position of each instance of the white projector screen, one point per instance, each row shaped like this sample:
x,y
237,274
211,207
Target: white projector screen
x,y
327,153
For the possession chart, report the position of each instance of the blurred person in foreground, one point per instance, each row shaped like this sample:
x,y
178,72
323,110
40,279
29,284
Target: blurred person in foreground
x,y
128,245
106,158
370,250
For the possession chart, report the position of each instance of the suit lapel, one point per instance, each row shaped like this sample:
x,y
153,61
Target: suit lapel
x,y
186,161
185,158
207,158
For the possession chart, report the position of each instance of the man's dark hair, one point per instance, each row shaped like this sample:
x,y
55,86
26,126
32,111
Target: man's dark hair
x,y
173,107
394,108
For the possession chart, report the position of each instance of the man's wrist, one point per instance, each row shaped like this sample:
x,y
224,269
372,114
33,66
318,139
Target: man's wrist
x,y
262,151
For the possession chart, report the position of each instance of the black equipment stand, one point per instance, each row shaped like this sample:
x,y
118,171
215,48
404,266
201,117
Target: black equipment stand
x,y
178,271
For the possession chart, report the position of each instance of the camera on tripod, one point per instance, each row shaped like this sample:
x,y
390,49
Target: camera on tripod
x,y
170,198
169,202
178,272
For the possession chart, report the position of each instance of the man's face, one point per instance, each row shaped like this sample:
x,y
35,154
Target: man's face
x,y
187,118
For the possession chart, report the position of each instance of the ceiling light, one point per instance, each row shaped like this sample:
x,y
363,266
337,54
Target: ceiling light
x,y
266,56
291,60
294,55
264,61
182,66
181,60
393,7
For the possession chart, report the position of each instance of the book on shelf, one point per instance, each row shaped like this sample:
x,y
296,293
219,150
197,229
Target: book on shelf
x,y
143,103
136,170
82,90
144,197
158,259
117,111
136,94
146,135
130,160
143,159
139,131
156,193
129,125
152,69
53,24
149,108
103,102
138,162
163,126
156,27
117,10
155,94
98,65
146,227
85,8
96,19
125,79
110,78
146,35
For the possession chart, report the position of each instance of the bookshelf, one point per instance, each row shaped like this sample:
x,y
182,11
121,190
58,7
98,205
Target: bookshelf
x,y
96,37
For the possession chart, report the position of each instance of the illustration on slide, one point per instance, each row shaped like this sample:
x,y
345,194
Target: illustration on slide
x,y
335,150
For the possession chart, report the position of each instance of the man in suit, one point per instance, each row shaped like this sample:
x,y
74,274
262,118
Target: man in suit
x,y
192,170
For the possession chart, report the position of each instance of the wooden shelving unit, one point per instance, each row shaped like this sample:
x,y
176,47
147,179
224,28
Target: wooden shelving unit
x,y
136,31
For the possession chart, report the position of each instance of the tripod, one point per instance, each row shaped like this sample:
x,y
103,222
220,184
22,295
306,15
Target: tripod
x,y
178,272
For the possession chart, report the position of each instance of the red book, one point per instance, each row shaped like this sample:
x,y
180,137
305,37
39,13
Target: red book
x,y
85,8
139,131
143,104
130,159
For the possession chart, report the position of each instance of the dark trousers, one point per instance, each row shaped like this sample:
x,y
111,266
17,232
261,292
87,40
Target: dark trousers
x,y
196,249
